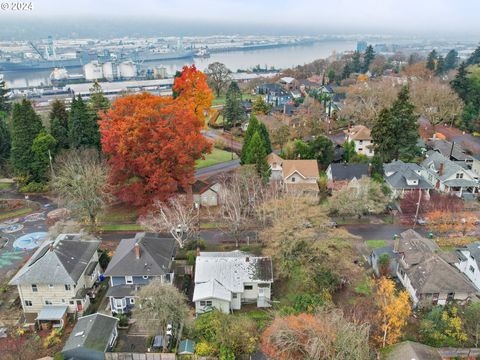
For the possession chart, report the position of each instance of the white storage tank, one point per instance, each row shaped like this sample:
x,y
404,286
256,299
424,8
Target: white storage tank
x,y
160,72
127,70
93,71
109,71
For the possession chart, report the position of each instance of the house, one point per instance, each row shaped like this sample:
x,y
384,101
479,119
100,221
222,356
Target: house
x,y
448,176
206,194
295,175
226,280
340,174
410,350
136,261
450,150
362,138
275,163
288,82
56,280
405,177
469,262
427,274
274,94
92,336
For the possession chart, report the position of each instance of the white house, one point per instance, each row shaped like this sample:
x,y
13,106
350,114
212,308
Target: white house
x,y
206,194
362,138
226,280
469,262
294,175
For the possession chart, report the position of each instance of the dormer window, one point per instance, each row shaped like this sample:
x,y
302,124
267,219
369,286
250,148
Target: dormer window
x,y
459,175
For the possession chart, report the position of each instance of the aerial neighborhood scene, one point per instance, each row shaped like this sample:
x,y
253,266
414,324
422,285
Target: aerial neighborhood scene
x,y
238,179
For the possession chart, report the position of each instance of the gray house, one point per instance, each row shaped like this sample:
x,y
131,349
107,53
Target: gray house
x,y
91,337
137,261
404,177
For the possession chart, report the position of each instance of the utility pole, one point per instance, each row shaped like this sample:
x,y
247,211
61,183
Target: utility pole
x,y
418,207
50,159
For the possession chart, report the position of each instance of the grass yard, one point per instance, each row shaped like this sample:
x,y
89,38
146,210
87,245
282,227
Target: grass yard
x,y
15,213
218,101
217,156
5,185
375,244
120,227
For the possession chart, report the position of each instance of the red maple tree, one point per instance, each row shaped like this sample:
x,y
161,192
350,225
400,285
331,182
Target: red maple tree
x,y
151,144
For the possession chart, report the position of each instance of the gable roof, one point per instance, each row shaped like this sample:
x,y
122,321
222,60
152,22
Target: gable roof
x,y
474,250
414,247
232,269
400,172
409,350
91,332
274,158
348,171
306,168
211,289
62,261
444,147
199,187
156,254
434,160
359,132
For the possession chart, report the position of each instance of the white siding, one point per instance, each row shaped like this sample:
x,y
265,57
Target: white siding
x,y
222,305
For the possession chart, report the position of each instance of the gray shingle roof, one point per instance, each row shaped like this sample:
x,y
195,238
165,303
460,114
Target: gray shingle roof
x,y
348,171
444,147
434,161
91,332
409,350
156,254
58,262
397,173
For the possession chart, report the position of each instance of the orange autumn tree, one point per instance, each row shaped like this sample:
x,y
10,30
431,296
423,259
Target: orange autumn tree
x,y
451,221
193,92
151,144
393,311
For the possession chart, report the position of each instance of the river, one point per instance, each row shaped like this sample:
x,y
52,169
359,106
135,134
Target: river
x,y
280,58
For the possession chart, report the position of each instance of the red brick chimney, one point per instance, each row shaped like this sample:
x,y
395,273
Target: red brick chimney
x,y
137,251
440,169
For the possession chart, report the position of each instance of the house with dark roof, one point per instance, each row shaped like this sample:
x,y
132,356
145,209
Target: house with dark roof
x,y
57,279
274,94
92,336
428,274
469,262
340,174
404,177
135,263
226,280
448,176
206,193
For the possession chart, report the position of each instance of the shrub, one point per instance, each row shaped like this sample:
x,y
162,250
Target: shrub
x,y
226,353
219,144
205,349
122,320
53,338
193,244
34,187
191,257
104,258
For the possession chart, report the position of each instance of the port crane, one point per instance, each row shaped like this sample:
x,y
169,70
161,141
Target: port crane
x,y
36,49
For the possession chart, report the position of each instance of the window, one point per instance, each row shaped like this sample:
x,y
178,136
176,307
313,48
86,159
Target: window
x,y
293,179
71,302
119,303
132,301
128,279
472,269
206,303
68,287
63,301
145,277
471,257
234,295
451,296
50,286
248,287
48,302
28,303
459,175
34,288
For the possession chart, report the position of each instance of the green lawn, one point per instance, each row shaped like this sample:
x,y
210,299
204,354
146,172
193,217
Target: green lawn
x,y
15,213
5,185
219,100
120,227
375,244
217,156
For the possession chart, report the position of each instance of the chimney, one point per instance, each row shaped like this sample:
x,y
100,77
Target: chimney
x,y
50,247
137,251
247,259
440,169
198,251
369,170
451,150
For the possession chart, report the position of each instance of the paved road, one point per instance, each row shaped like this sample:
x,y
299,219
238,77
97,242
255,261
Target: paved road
x,y
380,231
217,169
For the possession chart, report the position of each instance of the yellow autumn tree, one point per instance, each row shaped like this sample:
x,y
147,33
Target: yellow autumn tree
x,y
392,313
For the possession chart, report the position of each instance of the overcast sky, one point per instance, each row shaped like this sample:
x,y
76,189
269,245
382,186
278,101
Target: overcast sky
x,y
389,16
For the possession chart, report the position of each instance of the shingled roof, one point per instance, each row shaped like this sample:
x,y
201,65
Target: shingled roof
x,y
306,168
156,256
62,261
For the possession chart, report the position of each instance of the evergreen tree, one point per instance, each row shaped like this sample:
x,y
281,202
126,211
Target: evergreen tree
x,y
357,66
474,58
177,74
440,67
4,142
451,60
347,70
331,75
82,127
395,132
322,150
253,126
348,150
59,124
461,82
431,60
259,106
368,57
26,125
4,103
43,147
262,130
97,105
257,155
233,111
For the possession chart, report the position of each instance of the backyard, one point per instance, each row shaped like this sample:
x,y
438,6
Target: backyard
x,y
217,156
